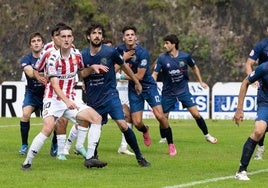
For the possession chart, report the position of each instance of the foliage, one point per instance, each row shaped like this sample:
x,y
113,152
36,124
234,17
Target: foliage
x,y
215,31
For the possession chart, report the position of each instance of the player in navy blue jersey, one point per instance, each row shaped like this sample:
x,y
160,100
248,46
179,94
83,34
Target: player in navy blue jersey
x,y
33,97
100,87
260,126
259,54
140,65
174,66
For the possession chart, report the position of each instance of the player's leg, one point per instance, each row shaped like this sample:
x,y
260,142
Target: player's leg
x,y
61,137
25,128
38,141
249,147
90,115
123,146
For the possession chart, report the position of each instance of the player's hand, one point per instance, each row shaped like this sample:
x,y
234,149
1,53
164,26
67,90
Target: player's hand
x,y
238,117
71,105
138,88
100,68
204,85
129,54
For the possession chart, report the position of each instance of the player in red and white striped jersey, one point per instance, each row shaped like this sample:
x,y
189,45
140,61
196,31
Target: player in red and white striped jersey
x,y
59,98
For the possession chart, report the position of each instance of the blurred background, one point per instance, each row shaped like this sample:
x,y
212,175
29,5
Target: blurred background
x,y
218,33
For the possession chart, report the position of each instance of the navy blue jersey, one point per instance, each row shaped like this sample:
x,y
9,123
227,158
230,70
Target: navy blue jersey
x,y
32,84
260,51
175,73
261,73
100,88
141,59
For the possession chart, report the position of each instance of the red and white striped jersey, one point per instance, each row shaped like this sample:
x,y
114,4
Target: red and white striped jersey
x,y
41,62
65,69
40,65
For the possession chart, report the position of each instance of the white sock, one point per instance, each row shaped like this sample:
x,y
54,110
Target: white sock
x,y
71,138
81,136
61,141
35,147
93,139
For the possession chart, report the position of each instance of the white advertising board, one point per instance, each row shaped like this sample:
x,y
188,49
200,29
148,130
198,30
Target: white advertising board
x,y
12,95
225,98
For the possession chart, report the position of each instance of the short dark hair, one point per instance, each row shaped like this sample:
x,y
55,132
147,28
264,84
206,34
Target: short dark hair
x,y
36,34
129,27
94,26
57,27
65,27
173,39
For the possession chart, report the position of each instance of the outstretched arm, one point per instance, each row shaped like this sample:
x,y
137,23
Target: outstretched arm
x,y
198,76
239,114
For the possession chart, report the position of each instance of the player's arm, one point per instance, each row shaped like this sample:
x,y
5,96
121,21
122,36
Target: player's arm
x,y
93,69
132,76
248,66
197,73
239,115
28,69
155,75
39,77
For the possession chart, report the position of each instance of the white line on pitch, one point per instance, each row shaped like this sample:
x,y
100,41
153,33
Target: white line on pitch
x,y
212,180
6,126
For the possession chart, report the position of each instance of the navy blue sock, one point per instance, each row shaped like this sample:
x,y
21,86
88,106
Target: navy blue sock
x,y
54,138
202,125
132,142
247,152
161,132
24,131
143,129
261,142
167,133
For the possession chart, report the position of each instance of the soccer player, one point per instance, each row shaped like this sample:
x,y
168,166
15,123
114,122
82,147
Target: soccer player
x,y
123,95
59,99
33,97
174,66
259,52
260,126
139,64
59,136
101,92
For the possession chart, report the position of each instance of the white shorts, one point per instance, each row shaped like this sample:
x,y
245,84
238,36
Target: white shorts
x,y
122,87
57,108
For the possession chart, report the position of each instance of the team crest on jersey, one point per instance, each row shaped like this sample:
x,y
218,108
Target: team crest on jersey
x,y
104,61
168,65
181,64
252,74
251,53
134,58
144,62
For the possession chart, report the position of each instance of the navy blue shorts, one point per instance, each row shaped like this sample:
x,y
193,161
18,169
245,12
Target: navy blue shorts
x,y
113,107
151,96
168,102
31,99
262,114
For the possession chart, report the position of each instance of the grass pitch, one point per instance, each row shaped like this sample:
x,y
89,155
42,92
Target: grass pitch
x,y
197,164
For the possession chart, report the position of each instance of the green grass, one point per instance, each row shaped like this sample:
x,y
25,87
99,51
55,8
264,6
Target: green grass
x,y
197,160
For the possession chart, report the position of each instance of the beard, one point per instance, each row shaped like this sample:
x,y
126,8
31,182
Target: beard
x,y
96,45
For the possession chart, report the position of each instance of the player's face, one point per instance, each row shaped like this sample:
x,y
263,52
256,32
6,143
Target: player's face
x,y
56,39
36,44
66,39
168,46
95,37
130,38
